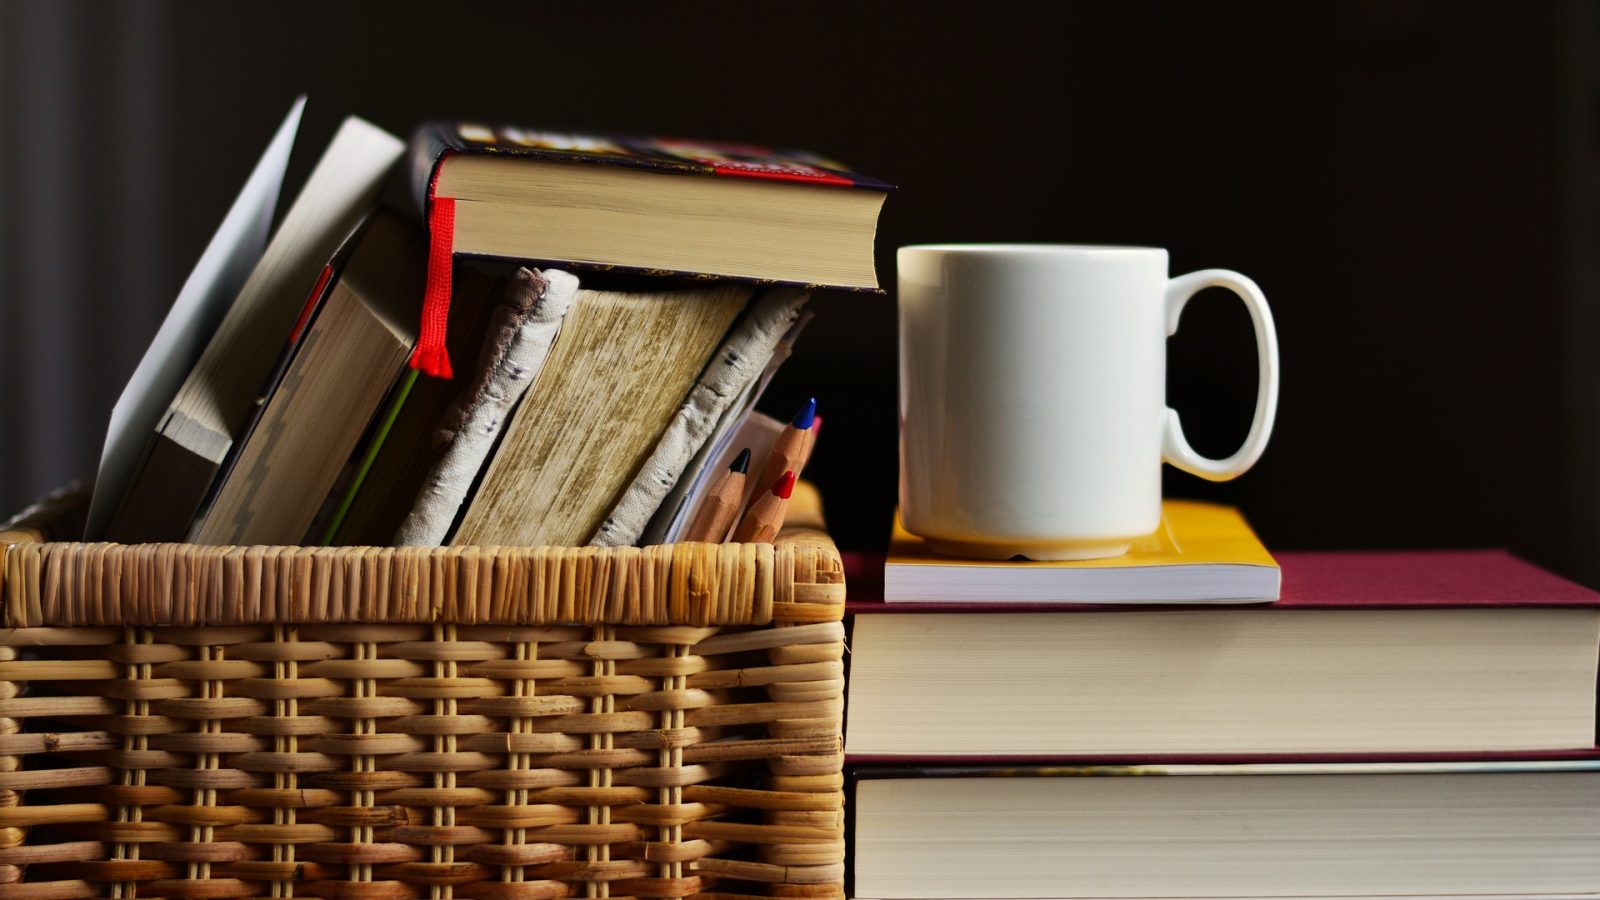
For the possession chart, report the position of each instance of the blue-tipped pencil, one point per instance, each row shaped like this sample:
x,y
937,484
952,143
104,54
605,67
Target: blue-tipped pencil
x,y
793,445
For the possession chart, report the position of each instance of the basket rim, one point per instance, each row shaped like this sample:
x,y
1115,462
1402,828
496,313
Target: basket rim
x,y
797,579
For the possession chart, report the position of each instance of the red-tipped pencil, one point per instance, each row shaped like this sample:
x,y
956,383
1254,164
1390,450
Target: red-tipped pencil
x,y
789,450
760,525
721,509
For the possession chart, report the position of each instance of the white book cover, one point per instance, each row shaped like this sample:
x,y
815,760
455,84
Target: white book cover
x,y
204,299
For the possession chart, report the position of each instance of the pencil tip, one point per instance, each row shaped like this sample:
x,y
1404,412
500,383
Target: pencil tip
x,y
784,486
807,414
741,463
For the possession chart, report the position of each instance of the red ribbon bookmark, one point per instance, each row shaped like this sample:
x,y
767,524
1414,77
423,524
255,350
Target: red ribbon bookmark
x,y
430,356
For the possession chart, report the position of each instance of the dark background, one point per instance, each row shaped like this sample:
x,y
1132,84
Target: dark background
x,y
1414,185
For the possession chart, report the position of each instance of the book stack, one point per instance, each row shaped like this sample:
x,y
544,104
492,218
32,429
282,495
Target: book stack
x,y
601,315
1374,725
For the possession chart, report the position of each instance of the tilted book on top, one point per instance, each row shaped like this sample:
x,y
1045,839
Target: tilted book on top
x,y
641,204
681,156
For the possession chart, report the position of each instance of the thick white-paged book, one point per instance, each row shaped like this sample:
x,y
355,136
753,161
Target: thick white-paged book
x,y
1507,829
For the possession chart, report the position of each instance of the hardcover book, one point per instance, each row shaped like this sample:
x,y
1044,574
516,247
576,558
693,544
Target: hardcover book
x,y
353,349
377,500
1465,652
652,205
1489,829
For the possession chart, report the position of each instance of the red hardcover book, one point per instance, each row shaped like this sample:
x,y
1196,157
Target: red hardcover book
x,y
1318,580
1367,656
645,204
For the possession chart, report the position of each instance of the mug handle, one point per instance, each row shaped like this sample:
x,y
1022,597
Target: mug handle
x,y
1175,447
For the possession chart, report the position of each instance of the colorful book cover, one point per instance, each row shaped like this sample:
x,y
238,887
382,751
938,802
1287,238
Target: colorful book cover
x,y
433,140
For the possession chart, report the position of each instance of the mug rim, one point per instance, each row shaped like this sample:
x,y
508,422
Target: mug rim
x,y
1043,248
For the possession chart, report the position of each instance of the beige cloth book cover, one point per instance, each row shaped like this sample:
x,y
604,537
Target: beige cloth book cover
x,y
621,368
726,386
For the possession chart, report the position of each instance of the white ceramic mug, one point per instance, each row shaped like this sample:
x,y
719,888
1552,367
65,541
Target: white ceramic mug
x,y
1033,413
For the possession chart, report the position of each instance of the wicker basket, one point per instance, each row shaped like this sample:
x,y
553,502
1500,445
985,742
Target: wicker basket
x,y
505,724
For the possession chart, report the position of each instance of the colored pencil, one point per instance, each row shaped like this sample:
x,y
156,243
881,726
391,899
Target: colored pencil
x,y
721,509
760,525
809,445
789,450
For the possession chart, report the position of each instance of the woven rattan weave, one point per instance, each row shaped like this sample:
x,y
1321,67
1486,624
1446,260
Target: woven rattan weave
x,y
493,723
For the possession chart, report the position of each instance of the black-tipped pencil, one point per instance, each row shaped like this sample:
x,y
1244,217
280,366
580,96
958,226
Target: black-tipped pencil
x,y
717,514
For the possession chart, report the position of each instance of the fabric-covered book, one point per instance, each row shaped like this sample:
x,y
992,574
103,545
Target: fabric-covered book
x,y
651,205
615,377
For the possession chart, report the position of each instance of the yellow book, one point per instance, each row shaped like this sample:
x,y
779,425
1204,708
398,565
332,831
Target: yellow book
x,y
1202,553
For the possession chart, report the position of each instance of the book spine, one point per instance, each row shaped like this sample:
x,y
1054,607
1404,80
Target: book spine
x,y
413,195
306,312
429,144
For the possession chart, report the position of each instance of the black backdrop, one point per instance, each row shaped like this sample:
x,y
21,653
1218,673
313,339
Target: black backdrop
x,y
1398,176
